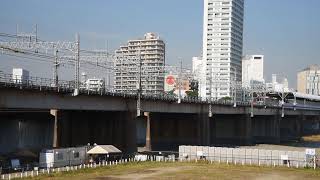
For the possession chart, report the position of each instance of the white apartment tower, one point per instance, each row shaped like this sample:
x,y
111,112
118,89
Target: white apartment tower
x,y
222,47
149,55
252,70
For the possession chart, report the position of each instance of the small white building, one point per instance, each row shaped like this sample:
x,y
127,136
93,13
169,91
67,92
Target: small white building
x,y
95,84
20,75
252,70
278,86
196,65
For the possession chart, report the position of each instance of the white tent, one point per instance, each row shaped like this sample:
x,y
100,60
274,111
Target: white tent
x,y
104,149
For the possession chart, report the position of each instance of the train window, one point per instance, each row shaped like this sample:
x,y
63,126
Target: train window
x,y
76,155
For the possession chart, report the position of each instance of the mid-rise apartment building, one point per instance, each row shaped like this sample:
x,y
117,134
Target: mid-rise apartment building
x,y
141,57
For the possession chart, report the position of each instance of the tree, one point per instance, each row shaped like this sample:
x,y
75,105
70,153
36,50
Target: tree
x,y
194,89
227,98
192,93
171,93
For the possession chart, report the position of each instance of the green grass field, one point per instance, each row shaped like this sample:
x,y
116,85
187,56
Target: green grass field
x,y
177,170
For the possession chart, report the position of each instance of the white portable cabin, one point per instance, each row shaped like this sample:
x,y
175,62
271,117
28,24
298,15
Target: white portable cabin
x,y
52,158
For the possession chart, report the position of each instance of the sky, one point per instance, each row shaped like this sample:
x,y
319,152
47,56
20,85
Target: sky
x,y
285,31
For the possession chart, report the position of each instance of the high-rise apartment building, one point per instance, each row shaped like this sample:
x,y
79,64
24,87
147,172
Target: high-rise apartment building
x,y
222,46
252,70
142,57
309,80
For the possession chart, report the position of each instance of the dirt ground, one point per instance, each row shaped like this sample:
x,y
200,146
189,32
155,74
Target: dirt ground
x,y
149,173
191,170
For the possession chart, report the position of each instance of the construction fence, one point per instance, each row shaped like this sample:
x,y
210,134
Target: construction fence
x,y
247,156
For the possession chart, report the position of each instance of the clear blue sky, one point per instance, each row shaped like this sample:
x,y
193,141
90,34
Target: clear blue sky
x,y
285,31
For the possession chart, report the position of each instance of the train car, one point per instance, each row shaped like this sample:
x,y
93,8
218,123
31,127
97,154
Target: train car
x,y
52,158
295,100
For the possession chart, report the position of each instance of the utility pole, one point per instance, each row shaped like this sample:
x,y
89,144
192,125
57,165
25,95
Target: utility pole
x,y
235,88
121,84
180,82
55,69
251,89
210,96
139,84
77,66
282,102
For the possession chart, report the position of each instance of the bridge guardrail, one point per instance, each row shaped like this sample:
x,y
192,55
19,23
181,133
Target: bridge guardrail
x,y
62,86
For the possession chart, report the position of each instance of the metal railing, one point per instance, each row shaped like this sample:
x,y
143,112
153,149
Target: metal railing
x,y
36,171
261,160
30,82
61,86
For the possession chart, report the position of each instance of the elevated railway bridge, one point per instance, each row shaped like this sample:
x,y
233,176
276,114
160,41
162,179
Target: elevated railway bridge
x,y
36,115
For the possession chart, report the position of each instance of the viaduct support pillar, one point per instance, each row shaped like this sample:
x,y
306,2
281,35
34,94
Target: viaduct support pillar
x,y
55,141
148,131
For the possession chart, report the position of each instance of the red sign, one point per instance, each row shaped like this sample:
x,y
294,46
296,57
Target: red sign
x,y
170,80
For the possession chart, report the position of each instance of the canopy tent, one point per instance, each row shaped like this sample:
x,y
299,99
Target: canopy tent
x,y
104,149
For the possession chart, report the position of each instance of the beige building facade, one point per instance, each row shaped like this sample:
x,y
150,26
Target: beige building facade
x,y
308,80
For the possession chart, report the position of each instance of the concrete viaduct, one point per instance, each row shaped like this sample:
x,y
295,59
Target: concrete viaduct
x,y
33,119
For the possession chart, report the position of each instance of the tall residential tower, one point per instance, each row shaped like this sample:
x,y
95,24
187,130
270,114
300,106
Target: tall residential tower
x,y
222,47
